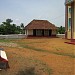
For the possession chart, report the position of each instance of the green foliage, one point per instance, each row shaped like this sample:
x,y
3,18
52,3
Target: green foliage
x,y
22,25
8,28
61,30
22,28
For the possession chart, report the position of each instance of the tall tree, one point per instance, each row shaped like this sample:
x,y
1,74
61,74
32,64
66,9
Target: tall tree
x,y
8,28
2,29
9,21
61,30
18,29
22,28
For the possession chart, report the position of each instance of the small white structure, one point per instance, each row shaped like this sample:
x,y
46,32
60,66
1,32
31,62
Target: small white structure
x,y
3,59
60,35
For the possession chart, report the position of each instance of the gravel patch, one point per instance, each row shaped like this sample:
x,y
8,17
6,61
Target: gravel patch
x,y
9,44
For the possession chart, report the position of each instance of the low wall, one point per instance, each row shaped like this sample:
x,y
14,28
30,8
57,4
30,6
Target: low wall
x,y
20,36
14,36
60,35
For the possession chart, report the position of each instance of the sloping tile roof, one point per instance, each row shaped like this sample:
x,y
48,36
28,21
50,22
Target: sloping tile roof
x,y
40,24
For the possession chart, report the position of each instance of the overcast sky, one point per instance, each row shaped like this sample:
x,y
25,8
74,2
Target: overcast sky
x,y
24,11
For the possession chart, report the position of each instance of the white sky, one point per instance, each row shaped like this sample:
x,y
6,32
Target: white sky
x,y
24,11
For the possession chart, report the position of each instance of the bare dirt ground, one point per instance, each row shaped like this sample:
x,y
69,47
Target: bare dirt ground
x,y
48,56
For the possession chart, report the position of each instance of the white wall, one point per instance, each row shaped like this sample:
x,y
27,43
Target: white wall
x,y
69,35
53,32
30,32
60,35
14,36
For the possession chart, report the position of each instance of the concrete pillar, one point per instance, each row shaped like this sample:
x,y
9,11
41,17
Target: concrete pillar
x,y
74,20
66,21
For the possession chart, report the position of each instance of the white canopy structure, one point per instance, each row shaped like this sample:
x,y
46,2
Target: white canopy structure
x,y
3,59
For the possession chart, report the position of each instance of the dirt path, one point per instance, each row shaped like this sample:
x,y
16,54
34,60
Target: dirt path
x,y
59,65
45,63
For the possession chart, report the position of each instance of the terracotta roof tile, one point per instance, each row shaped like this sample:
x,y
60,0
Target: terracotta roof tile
x,y
40,24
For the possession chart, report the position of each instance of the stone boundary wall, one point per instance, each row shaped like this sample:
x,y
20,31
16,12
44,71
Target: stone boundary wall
x,y
21,36
60,35
13,36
